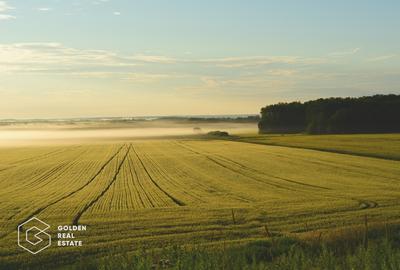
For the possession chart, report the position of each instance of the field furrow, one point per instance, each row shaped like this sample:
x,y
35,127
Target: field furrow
x,y
185,191
111,182
150,177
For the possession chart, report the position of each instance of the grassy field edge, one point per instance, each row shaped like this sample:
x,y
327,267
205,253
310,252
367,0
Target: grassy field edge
x,y
269,140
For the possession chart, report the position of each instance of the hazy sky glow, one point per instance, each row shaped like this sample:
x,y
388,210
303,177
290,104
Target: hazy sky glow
x,y
128,58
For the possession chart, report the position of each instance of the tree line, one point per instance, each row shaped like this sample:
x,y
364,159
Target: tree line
x,y
369,114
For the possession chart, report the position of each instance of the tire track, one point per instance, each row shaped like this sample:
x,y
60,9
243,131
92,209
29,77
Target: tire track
x,y
237,171
175,200
91,203
44,156
351,168
270,175
139,187
35,158
206,187
364,204
257,171
41,180
334,151
157,167
39,210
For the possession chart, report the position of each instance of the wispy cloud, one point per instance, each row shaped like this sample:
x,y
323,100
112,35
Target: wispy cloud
x,y
381,58
117,13
345,53
97,2
281,72
184,73
257,72
146,77
43,9
154,58
5,7
137,77
55,56
6,17
235,62
235,85
257,61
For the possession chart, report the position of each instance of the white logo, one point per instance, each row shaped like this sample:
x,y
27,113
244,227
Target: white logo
x,y
35,239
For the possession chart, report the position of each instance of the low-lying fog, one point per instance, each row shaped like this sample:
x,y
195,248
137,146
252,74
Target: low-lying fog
x,y
48,133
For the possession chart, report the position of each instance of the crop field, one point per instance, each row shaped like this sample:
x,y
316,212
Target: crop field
x,y
370,145
160,192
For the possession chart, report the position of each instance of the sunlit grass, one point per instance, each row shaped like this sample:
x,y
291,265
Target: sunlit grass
x,y
183,192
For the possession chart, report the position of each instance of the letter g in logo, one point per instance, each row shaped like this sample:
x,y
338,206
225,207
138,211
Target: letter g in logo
x,y
32,235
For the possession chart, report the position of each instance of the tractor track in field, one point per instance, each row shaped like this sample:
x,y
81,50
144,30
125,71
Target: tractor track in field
x,y
41,178
175,200
7,168
44,156
366,204
35,158
351,168
39,210
270,175
134,175
92,202
348,168
207,188
363,204
219,163
154,164
245,175
320,149
41,181
244,167
354,169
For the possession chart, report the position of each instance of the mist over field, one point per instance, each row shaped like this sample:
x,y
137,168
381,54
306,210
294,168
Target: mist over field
x,y
199,135
44,133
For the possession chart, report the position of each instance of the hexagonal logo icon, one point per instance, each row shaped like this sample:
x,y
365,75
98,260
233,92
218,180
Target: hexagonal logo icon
x,y
32,235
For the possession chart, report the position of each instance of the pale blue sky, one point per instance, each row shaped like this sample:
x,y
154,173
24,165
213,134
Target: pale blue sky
x,y
62,58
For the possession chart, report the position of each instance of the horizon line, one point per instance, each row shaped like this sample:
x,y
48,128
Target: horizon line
x,y
104,118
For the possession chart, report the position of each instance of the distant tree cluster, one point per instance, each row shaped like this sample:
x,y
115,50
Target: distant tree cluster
x,y
218,133
370,114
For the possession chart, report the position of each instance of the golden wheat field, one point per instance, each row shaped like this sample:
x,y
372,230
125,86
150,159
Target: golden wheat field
x,y
160,192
